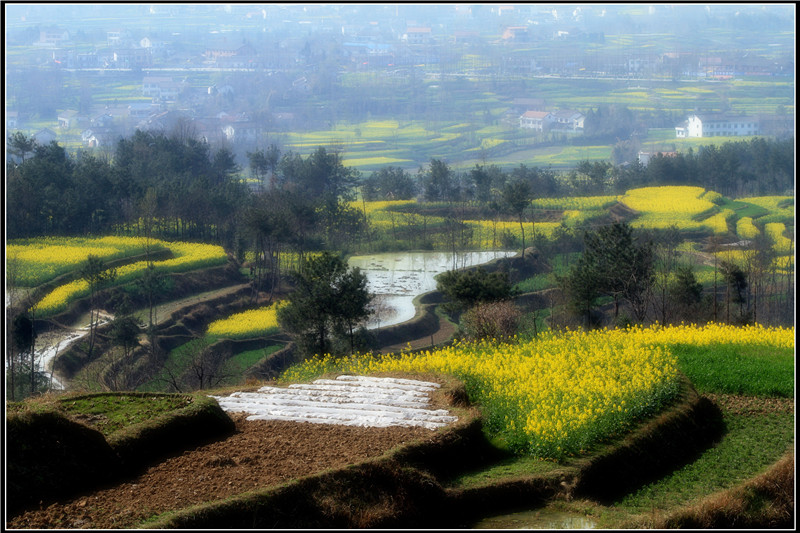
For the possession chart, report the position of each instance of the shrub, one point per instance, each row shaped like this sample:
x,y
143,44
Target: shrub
x,y
493,320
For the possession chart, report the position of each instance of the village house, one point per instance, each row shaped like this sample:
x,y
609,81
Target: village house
x,y
67,119
116,37
717,125
52,37
132,58
567,119
417,35
161,87
518,34
232,57
102,120
140,111
241,132
96,137
645,157
535,120
44,136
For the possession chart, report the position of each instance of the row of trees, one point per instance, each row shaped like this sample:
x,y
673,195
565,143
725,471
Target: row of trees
x,y
626,276
641,273
755,167
193,193
744,168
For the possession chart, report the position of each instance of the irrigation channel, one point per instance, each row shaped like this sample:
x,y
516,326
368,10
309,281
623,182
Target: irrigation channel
x,y
51,343
396,278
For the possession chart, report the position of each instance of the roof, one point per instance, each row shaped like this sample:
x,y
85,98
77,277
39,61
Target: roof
x,y
535,114
719,117
566,113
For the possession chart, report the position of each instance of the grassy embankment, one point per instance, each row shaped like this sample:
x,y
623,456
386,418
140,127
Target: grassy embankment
x,y
753,384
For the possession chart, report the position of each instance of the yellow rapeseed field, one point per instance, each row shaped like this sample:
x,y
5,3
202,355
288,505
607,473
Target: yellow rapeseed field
x,y
746,229
247,324
44,258
719,222
661,207
560,393
186,256
781,244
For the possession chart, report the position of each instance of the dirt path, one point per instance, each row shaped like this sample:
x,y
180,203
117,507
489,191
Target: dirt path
x,y
163,311
260,454
444,333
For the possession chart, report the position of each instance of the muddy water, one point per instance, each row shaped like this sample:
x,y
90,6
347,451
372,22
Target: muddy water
x,y
543,518
396,278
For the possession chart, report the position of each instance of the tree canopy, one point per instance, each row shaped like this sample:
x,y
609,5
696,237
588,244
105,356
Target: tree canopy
x,y
328,299
466,288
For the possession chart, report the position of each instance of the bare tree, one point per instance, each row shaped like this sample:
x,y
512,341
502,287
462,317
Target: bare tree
x,y
196,365
95,273
666,257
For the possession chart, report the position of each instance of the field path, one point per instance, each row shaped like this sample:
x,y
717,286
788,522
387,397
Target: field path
x,y
164,310
441,335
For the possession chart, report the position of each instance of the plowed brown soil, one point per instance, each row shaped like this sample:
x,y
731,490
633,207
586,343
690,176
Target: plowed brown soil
x,y
259,454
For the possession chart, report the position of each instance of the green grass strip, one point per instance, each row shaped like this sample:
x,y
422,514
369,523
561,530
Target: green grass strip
x,y
738,369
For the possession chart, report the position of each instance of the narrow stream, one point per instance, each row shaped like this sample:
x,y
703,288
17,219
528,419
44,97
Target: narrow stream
x,y
52,343
396,278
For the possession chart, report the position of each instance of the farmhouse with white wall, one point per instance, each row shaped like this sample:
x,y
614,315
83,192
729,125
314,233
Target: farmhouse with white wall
x,y
535,120
718,125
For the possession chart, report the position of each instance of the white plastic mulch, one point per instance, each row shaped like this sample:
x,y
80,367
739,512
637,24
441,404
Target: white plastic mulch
x,y
346,400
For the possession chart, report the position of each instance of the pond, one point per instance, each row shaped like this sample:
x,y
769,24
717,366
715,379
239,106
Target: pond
x,y
396,278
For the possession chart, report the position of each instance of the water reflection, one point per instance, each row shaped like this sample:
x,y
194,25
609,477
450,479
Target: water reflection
x,y
399,277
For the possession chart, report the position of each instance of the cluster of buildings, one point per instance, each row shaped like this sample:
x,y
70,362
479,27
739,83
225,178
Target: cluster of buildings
x,y
562,119
390,46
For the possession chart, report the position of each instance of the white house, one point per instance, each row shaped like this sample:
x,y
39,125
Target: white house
x,y
417,35
535,120
718,125
161,87
67,119
240,132
568,119
645,157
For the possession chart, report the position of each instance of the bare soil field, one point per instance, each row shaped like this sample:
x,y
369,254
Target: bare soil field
x,y
259,454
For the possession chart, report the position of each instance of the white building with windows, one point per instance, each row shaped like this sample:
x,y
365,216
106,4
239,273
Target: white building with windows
x,y
718,125
567,119
535,120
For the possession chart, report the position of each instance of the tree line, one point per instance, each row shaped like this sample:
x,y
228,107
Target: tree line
x,y
193,192
624,276
640,277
